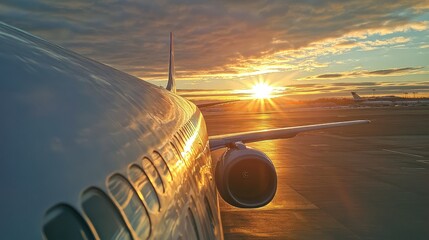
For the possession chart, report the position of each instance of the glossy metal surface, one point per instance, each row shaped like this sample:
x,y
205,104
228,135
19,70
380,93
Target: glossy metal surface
x,y
69,123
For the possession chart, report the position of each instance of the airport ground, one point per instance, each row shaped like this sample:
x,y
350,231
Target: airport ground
x,y
360,182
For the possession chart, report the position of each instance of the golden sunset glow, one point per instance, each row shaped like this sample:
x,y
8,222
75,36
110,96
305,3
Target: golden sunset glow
x,y
262,90
278,45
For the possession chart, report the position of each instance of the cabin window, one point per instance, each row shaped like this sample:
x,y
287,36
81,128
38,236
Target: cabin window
x,y
104,215
194,119
182,149
210,215
63,222
153,174
177,153
131,205
144,187
162,166
192,223
184,130
175,148
195,150
183,140
191,127
180,143
189,124
187,132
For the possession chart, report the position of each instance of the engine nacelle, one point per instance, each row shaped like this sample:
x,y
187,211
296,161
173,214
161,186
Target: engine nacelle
x,y
246,177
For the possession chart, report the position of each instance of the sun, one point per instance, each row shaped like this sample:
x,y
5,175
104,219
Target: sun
x,y
262,90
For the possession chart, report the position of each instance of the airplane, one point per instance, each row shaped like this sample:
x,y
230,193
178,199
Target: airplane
x,y
388,100
371,101
90,152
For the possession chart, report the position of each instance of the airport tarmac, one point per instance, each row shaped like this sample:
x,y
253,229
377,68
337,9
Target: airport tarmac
x,y
360,182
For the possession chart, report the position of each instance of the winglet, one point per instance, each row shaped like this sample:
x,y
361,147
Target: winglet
x,y
171,85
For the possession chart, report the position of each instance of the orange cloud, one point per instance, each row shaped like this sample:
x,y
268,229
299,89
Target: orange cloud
x,y
217,39
366,73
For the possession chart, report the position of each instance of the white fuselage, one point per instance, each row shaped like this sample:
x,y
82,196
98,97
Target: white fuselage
x,y
75,134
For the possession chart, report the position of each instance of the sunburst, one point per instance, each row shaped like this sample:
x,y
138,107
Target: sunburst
x,y
262,90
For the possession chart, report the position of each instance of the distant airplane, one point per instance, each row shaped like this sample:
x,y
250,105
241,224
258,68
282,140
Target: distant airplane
x,y
388,100
371,101
90,152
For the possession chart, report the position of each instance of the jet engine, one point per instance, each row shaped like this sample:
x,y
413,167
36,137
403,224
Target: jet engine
x,y
246,177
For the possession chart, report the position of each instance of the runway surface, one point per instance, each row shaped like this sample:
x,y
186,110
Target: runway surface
x,y
360,182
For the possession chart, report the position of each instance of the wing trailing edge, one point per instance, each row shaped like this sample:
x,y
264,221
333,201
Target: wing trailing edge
x,y
221,141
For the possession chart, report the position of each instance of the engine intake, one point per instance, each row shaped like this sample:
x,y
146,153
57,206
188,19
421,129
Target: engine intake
x,y
246,177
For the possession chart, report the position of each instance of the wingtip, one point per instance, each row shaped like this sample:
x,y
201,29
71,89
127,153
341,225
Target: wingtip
x,y
363,121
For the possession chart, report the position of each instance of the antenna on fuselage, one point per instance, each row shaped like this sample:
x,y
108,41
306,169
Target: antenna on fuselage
x,y
171,85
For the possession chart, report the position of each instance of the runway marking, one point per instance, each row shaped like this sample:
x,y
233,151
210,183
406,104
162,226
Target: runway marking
x,y
423,161
319,145
413,168
403,153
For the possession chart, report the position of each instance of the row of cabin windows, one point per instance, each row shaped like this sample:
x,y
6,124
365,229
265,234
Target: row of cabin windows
x,y
63,222
135,198
192,223
185,133
66,223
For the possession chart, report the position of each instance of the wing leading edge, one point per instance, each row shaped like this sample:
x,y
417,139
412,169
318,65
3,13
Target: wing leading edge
x,y
203,105
220,141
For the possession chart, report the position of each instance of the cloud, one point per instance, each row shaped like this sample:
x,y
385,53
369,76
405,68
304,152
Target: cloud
x,y
393,71
330,75
226,39
366,73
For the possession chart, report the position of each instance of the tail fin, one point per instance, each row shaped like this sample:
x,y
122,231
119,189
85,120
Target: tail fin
x,y
171,85
356,96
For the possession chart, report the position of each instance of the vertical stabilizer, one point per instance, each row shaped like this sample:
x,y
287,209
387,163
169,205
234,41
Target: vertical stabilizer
x,y
171,85
356,96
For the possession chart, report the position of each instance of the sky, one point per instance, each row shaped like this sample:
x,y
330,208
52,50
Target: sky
x,y
325,47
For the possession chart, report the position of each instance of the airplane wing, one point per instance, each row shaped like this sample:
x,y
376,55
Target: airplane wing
x,y
221,141
203,105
